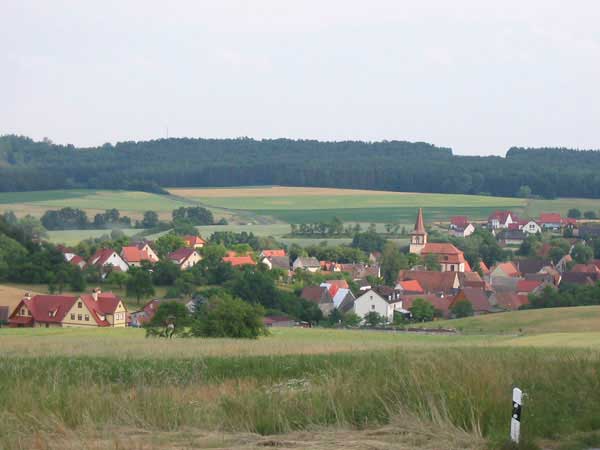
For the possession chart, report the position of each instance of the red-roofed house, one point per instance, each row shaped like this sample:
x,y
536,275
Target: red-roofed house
x,y
145,247
477,298
238,261
510,301
93,310
185,257
505,269
450,258
194,241
334,285
526,287
501,219
106,259
409,287
550,221
133,256
460,226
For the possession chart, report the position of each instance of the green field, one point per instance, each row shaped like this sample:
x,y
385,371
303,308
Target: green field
x,y
305,388
73,237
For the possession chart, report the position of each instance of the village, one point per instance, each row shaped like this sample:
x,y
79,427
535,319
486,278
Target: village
x,y
440,282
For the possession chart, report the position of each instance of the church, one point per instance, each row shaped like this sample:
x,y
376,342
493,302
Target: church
x,y
450,258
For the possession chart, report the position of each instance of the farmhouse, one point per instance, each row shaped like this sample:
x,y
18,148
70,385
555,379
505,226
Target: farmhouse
x,y
310,264
531,227
501,219
383,300
106,259
461,227
185,257
551,221
194,242
87,310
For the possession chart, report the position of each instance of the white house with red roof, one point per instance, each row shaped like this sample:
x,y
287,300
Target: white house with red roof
x,y
551,221
185,257
451,259
106,259
460,226
134,255
87,310
194,242
530,227
501,219
271,253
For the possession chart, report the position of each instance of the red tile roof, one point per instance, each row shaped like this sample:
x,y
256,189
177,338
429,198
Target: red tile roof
x,y
101,256
132,254
192,241
508,268
335,285
459,221
181,255
237,261
448,252
501,216
411,286
276,252
550,218
477,297
528,286
430,281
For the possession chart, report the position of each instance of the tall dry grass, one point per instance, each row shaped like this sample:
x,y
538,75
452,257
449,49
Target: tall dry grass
x,y
461,389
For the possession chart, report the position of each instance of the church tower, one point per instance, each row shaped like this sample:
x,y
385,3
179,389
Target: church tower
x,y
418,237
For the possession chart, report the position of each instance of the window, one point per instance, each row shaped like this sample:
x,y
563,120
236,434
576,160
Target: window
x,y
78,316
372,307
72,316
22,311
87,318
79,304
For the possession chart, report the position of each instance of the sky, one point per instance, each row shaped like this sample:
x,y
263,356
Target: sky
x,y
476,76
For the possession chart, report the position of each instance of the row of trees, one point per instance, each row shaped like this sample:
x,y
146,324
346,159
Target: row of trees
x,y
389,165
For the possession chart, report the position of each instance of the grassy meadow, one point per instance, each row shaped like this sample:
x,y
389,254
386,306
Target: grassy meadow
x,y
304,388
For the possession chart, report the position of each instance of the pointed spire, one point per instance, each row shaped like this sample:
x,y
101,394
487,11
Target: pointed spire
x,y
420,225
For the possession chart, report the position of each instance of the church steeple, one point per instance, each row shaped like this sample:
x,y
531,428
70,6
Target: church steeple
x,y
418,237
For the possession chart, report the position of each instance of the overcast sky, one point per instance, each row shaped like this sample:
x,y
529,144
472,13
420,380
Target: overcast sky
x,y
477,76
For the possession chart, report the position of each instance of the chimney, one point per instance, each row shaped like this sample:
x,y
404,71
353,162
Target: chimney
x,y
95,293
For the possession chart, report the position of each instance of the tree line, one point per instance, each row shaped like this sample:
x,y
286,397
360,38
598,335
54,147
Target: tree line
x,y
389,165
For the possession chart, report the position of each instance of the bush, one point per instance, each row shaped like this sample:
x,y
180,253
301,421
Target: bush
x,y
462,308
227,316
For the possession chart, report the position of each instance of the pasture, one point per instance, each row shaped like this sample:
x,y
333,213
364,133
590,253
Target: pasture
x,y
301,388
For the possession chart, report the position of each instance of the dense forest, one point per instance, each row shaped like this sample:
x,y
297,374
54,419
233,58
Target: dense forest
x,y
388,165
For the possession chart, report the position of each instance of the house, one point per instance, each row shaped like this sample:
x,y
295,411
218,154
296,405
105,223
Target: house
x,y
144,246
310,264
450,258
440,283
239,261
78,261
531,227
383,300
319,295
360,271
460,227
276,262
194,242
185,257
335,285
107,260
512,237
418,237
148,311
279,321
441,304
134,256
270,253
531,265
472,279
477,298
344,300
580,278
526,287
509,301
551,221
86,310
505,269
501,219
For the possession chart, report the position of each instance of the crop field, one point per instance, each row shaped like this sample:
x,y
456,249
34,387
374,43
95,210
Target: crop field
x,y
304,388
129,203
296,205
73,237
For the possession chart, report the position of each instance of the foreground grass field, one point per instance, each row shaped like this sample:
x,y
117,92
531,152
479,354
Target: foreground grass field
x,y
299,388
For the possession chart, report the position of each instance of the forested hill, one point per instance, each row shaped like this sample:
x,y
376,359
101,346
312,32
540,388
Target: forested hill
x,y
391,165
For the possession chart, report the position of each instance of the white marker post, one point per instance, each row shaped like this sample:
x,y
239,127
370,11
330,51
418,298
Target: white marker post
x,y
515,420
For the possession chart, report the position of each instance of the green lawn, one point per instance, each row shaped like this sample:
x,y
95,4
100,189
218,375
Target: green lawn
x,y
73,237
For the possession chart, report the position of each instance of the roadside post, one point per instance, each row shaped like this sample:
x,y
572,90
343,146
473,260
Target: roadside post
x,y
515,420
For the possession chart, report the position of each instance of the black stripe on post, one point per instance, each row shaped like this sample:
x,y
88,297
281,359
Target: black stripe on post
x,y
516,412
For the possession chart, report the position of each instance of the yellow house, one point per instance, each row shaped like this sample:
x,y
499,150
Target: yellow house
x,y
88,310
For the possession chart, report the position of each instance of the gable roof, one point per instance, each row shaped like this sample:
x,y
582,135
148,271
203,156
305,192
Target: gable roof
x,y
430,281
307,262
133,254
280,262
275,252
507,268
501,216
448,252
181,255
411,286
528,286
546,218
191,241
101,256
237,261
316,294
532,265
476,297
335,285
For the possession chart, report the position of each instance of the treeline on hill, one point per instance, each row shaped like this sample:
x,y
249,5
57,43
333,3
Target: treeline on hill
x,y
388,165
